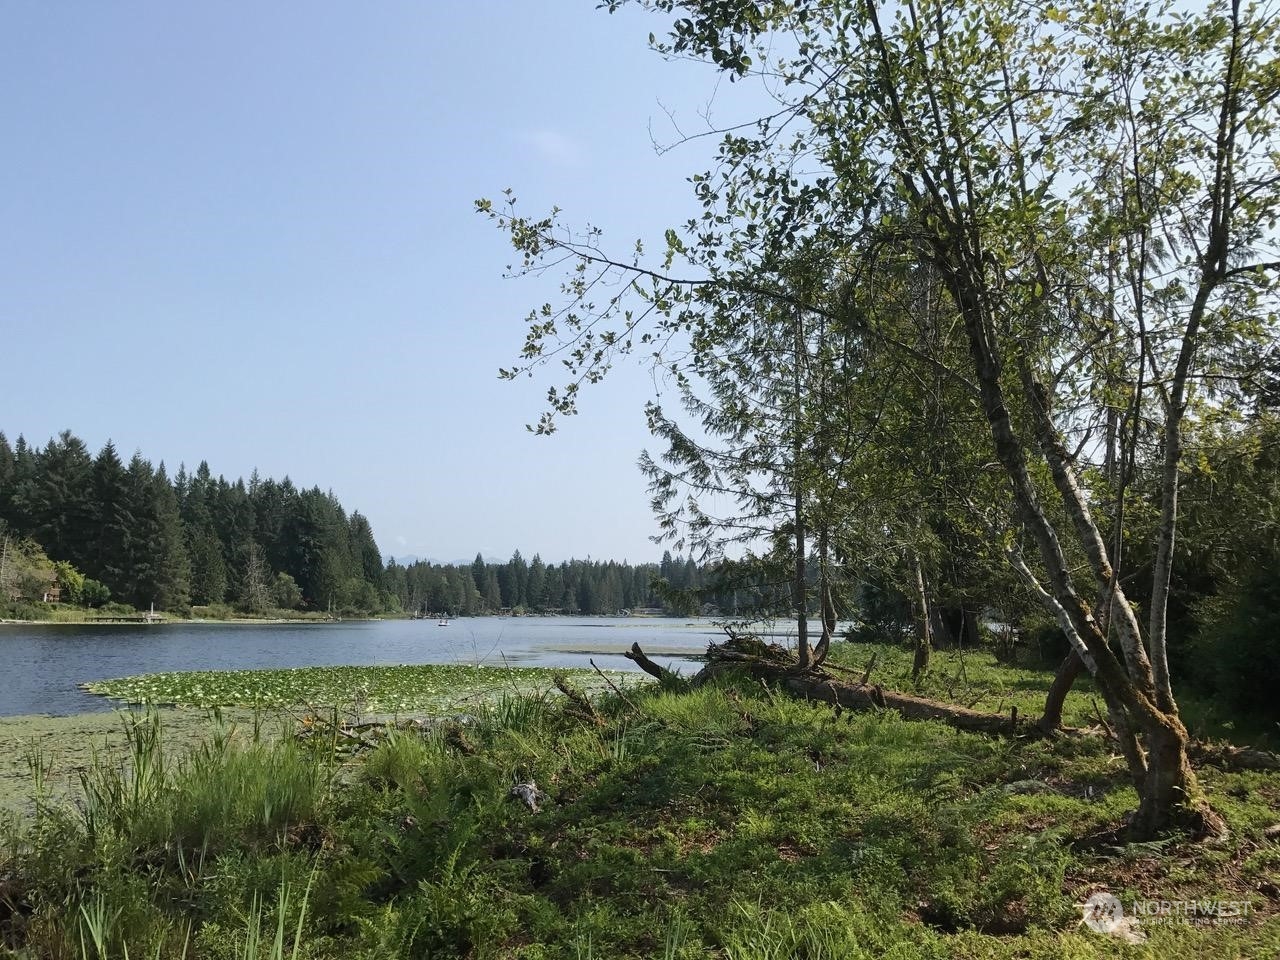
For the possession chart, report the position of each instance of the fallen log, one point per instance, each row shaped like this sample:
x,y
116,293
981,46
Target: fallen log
x,y
661,674
1230,757
580,704
818,685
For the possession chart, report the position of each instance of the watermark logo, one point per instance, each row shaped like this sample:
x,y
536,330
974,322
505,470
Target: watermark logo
x,y
1193,912
1103,913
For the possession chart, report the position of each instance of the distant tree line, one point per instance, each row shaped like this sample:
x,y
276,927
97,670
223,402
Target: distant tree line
x,y
678,586
143,537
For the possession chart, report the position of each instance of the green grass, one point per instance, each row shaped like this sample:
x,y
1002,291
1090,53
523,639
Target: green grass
x,y
974,678
719,822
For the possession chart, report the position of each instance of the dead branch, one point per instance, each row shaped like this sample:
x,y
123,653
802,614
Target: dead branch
x,y
637,656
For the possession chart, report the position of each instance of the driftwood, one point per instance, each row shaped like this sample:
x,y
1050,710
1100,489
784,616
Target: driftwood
x,y
1229,757
612,686
764,663
661,674
774,667
819,686
579,704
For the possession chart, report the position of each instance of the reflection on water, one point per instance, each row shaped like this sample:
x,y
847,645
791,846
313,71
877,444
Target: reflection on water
x,y
44,664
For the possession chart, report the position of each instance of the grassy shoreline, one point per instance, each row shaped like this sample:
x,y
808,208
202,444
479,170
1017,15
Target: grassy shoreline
x,y
192,704
68,745
724,821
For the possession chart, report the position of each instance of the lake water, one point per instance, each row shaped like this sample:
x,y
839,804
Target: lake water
x,y
40,666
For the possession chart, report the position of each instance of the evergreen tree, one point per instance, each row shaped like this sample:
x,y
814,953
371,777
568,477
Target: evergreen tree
x,y
110,548
568,588
158,570
173,586
318,549
23,490
234,521
691,579
492,591
209,582
506,584
273,504
516,581
208,570
473,602
553,592
536,585
396,584
367,555
587,599
139,569
328,580
195,501
181,485
610,590
60,505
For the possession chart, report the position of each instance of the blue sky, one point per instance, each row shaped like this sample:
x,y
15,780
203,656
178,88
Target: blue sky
x,y
244,233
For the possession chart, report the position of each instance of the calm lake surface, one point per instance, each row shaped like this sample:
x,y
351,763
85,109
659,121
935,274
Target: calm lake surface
x,y
40,666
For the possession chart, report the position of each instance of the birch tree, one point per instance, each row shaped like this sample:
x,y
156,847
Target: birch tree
x,y
1095,186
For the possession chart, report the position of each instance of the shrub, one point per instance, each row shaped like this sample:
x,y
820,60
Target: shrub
x,y
213,611
1046,644
93,593
1239,644
285,592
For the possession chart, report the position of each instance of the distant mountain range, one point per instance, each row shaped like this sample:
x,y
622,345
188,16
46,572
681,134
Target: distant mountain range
x,y
411,558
